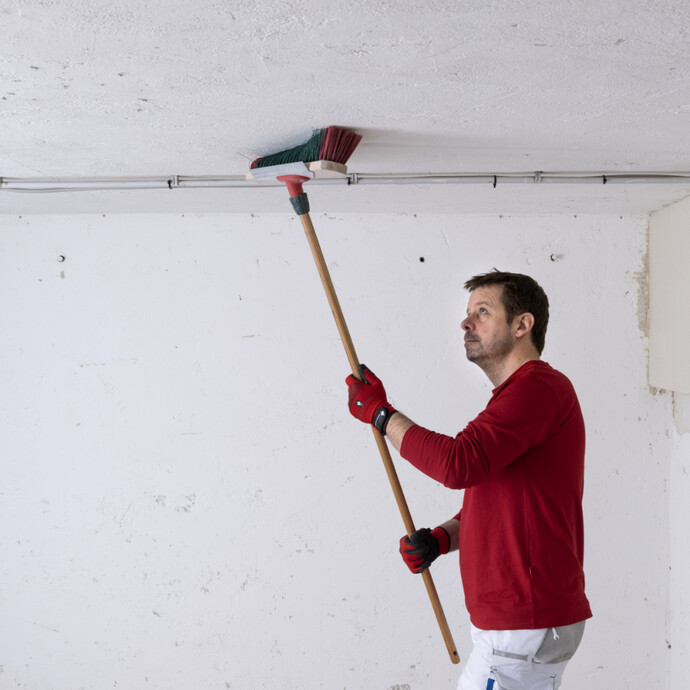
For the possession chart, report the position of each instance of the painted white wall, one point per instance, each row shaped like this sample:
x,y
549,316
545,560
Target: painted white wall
x,y
679,477
186,501
669,293
669,368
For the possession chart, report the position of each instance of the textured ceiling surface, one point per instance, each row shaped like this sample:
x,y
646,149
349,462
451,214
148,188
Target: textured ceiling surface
x,y
127,88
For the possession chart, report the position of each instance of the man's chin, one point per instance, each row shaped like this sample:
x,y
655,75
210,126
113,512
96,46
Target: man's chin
x,y
472,353
472,356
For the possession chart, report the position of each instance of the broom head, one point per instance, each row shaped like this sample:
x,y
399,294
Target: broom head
x,y
332,144
324,155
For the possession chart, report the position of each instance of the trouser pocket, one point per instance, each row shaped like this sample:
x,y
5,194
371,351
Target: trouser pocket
x,y
528,677
560,644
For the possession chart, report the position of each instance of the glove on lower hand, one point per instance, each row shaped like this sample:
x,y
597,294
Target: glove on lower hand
x,y
423,547
367,399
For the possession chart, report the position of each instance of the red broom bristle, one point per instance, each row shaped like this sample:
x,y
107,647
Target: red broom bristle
x,y
338,144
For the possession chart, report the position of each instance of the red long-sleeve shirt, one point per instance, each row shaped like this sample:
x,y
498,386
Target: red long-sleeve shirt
x,y
521,463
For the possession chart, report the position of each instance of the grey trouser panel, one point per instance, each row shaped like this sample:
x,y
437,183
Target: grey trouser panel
x,y
560,644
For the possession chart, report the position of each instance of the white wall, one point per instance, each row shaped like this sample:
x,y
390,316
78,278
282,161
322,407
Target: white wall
x,y
679,477
669,367
186,502
669,287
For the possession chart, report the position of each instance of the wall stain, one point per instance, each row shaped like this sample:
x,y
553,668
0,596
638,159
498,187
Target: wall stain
x,y
641,277
681,412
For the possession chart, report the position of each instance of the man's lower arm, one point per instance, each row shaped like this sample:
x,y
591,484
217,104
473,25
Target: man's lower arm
x,y
398,424
452,526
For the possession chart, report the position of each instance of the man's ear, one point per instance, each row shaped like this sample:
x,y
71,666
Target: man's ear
x,y
523,324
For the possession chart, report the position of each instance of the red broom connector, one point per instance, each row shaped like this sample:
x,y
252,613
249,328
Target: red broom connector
x,y
293,183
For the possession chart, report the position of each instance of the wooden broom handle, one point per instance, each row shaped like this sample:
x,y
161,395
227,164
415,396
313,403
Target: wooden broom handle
x,y
380,441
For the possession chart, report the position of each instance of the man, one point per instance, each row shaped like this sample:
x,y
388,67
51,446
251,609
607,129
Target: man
x,y
521,463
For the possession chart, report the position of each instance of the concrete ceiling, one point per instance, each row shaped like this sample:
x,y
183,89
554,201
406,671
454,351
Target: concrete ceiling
x,y
130,88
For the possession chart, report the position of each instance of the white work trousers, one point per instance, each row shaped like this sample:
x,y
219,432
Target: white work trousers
x,y
520,659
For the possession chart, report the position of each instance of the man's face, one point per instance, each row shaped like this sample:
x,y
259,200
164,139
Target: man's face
x,y
488,337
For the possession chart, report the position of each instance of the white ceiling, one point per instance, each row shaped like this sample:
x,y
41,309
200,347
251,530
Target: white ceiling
x,y
164,87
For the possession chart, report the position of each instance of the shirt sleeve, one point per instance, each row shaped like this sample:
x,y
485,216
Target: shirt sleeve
x,y
519,416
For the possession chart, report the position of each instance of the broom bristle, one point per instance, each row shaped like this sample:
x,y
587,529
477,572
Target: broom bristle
x,y
338,144
331,144
307,152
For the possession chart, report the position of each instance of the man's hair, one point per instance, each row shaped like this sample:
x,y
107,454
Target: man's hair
x,y
520,294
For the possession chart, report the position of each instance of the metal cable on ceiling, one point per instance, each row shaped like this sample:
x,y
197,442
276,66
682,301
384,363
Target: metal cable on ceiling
x,y
67,184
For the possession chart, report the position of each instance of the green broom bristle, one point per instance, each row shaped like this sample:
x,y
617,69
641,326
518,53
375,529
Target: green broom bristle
x,y
307,152
331,144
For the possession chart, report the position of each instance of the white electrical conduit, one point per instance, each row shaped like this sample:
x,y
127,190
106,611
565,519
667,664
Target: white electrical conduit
x,y
82,184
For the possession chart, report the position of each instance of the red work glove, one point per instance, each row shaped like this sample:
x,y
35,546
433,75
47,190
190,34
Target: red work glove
x,y
367,399
423,547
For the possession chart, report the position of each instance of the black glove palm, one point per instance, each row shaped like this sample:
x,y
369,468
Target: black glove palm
x,y
423,547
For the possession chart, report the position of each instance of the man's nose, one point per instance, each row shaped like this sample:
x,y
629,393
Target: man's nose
x,y
466,324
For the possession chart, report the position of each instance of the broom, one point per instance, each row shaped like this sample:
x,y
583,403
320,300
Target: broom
x,y
325,155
